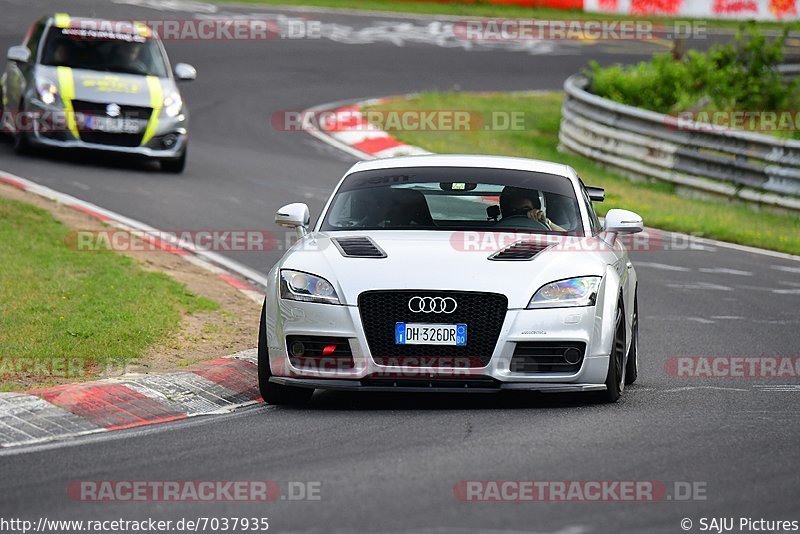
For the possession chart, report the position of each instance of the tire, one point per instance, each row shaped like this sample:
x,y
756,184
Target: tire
x,y
275,393
615,378
174,166
21,143
632,367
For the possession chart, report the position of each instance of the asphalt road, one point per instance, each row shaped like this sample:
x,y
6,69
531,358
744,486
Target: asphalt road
x,y
390,462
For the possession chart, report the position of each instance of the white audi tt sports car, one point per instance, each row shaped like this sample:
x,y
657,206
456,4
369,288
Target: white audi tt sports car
x,y
452,273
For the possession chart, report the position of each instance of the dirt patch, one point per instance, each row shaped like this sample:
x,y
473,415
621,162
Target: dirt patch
x,y
204,335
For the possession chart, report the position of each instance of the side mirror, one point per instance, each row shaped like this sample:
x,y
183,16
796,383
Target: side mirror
x,y
596,194
294,216
19,54
185,72
623,222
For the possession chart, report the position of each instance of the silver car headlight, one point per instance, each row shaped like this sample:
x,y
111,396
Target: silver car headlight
x,y
581,291
173,104
47,91
296,285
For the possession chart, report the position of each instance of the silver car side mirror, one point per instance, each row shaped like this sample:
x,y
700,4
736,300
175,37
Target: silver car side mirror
x,y
185,72
294,216
19,54
621,222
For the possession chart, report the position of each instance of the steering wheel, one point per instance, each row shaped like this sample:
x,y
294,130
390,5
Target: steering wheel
x,y
521,221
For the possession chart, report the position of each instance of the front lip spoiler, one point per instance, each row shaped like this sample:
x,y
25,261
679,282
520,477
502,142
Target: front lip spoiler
x,y
477,386
141,151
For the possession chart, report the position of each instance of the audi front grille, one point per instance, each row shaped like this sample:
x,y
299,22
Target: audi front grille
x,y
483,313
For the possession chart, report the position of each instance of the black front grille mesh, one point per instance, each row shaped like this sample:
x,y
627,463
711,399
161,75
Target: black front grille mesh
x,y
98,109
314,359
547,357
358,247
520,251
483,313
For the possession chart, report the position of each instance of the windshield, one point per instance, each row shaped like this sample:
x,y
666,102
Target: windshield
x,y
446,198
109,52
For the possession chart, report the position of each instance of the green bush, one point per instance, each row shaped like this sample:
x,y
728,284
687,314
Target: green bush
x,y
741,75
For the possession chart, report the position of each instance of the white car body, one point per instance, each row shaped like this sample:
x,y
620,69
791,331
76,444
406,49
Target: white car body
x,y
424,260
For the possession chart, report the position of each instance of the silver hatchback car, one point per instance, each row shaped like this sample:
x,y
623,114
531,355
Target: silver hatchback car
x,y
78,83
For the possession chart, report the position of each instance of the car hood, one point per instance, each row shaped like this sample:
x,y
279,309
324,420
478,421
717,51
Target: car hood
x,y
439,260
109,87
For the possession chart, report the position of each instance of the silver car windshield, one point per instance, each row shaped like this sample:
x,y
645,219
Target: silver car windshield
x,y
454,199
119,53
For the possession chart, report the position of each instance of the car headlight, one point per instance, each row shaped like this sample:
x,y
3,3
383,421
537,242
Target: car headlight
x,y
296,285
47,91
581,291
173,104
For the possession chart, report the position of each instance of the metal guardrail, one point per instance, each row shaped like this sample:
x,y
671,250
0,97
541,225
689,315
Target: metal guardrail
x,y
748,166
789,72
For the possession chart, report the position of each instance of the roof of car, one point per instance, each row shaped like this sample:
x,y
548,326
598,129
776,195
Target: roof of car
x,y
467,160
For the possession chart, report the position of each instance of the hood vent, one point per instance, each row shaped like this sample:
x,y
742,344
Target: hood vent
x,y
358,247
521,250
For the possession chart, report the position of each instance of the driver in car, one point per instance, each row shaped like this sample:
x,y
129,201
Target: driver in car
x,y
61,54
520,202
127,55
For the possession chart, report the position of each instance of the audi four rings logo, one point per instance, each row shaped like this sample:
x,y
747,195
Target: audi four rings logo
x,y
432,304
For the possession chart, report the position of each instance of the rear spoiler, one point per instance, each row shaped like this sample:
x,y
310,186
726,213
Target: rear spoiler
x,y
596,194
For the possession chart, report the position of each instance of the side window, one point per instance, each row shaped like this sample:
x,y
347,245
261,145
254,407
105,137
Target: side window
x,y
593,220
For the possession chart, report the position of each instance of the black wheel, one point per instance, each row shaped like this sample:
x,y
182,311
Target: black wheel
x,y
275,393
174,166
632,367
615,379
21,142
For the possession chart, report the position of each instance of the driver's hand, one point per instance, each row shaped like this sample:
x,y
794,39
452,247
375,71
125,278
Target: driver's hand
x,y
537,215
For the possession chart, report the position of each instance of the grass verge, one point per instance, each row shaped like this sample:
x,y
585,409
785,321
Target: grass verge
x,y
72,312
657,203
482,9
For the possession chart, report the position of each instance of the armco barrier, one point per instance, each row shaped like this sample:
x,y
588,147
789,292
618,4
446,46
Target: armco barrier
x,y
645,144
569,5
789,72
766,10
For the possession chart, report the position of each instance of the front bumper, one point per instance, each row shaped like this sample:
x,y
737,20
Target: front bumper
x,y
580,324
63,138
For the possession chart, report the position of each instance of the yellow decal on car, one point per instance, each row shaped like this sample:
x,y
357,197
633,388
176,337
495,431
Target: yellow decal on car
x,y
111,84
156,102
67,86
62,20
142,29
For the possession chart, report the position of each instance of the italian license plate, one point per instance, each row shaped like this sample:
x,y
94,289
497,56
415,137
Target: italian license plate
x,y
112,125
430,334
